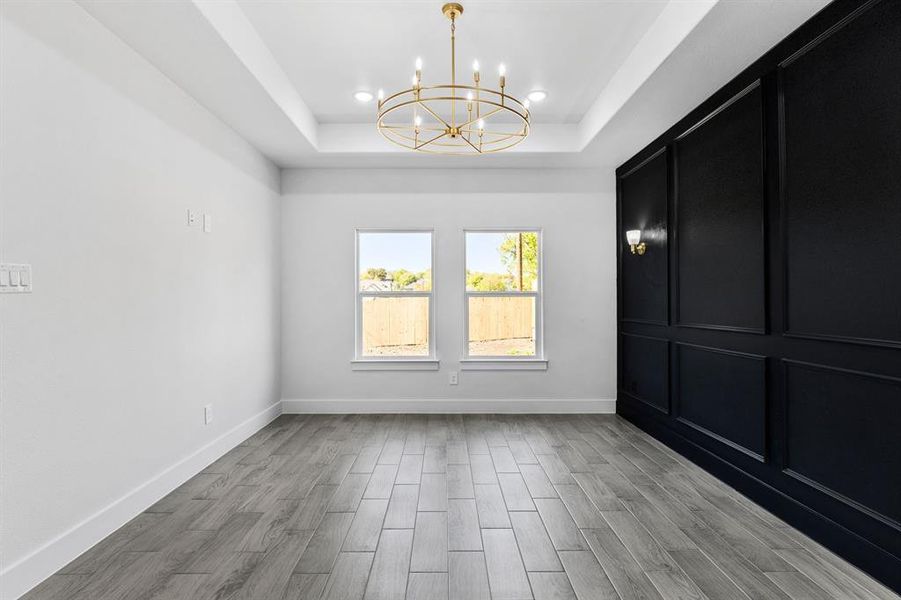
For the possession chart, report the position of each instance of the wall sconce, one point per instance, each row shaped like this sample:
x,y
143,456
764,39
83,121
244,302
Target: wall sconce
x,y
633,236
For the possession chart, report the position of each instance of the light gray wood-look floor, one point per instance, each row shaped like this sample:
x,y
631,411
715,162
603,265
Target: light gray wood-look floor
x,y
456,507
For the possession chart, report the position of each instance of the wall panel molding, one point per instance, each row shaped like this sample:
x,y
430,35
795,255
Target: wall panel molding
x,y
659,370
838,158
783,288
718,218
873,463
721,380
645,279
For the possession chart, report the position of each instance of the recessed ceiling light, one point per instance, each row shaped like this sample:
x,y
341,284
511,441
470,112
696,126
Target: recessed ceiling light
x,y
537,95
363,96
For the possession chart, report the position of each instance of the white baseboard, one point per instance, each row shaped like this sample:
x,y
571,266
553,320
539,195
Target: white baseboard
x,y
447,405
19,577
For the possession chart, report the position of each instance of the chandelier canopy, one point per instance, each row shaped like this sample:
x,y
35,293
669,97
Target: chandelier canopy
x,y
453,118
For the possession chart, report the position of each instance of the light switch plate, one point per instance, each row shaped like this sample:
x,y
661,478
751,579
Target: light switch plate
x,y
15,278
207,414
207,223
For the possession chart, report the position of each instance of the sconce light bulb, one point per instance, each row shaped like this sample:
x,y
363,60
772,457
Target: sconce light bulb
x,y
636,246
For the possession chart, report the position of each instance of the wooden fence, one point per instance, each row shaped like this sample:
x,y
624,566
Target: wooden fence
x,y
405,321
501,318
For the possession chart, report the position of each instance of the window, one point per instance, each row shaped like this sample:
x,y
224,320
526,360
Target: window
x,y
394,312
503,295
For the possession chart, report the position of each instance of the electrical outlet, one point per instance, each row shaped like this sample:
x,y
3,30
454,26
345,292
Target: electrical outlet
x,y
192,218
207,414
452,378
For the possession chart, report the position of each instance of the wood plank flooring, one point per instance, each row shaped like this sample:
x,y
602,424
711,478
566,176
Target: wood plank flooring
x,y
458,507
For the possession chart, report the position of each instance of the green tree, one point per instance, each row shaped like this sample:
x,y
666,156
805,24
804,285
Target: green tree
x,y
376,273
403,279
519,253
488,282
424,281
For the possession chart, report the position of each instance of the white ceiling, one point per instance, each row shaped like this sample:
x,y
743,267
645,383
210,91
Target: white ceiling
x,y
330,49
282,73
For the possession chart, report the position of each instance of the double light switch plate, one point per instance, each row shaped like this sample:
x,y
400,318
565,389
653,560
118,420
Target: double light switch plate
x,y
15,279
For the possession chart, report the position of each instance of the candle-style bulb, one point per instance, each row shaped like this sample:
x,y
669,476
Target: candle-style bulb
x,y
417,120
526,104
414,80
481,125
502,69
418,64
469,96
475,66
381,94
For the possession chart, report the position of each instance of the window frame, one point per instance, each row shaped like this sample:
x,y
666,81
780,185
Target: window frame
x,y
364,362
493,362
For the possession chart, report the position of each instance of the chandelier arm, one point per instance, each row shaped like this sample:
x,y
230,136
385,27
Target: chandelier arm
x,y
432,112
479,150
458,86
497,140
437,137
499,136
410,127
388,134
471,121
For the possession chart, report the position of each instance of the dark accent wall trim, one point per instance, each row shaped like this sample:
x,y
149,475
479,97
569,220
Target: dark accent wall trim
x,y
676,193
786,458
677,402
753,86
863,7
666,375
783,376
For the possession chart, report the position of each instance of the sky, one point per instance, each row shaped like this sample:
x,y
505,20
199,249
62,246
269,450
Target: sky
x,y
393,251
481,252
411,251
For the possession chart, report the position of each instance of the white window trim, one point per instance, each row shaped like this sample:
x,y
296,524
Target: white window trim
x,y
361,362
525,363
538,362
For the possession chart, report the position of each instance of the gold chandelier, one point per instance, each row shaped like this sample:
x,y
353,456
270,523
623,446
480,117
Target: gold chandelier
x,y
453,118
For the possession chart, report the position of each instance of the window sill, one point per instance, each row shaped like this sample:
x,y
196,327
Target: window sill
x,y
503,364
398,364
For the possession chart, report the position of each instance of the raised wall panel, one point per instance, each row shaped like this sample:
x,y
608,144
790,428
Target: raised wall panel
x,y
645,372
643,197
785,229
723,394
842,433
842,181
719,218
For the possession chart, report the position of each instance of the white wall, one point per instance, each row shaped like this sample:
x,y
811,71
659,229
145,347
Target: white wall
x,y
321,208
136,321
